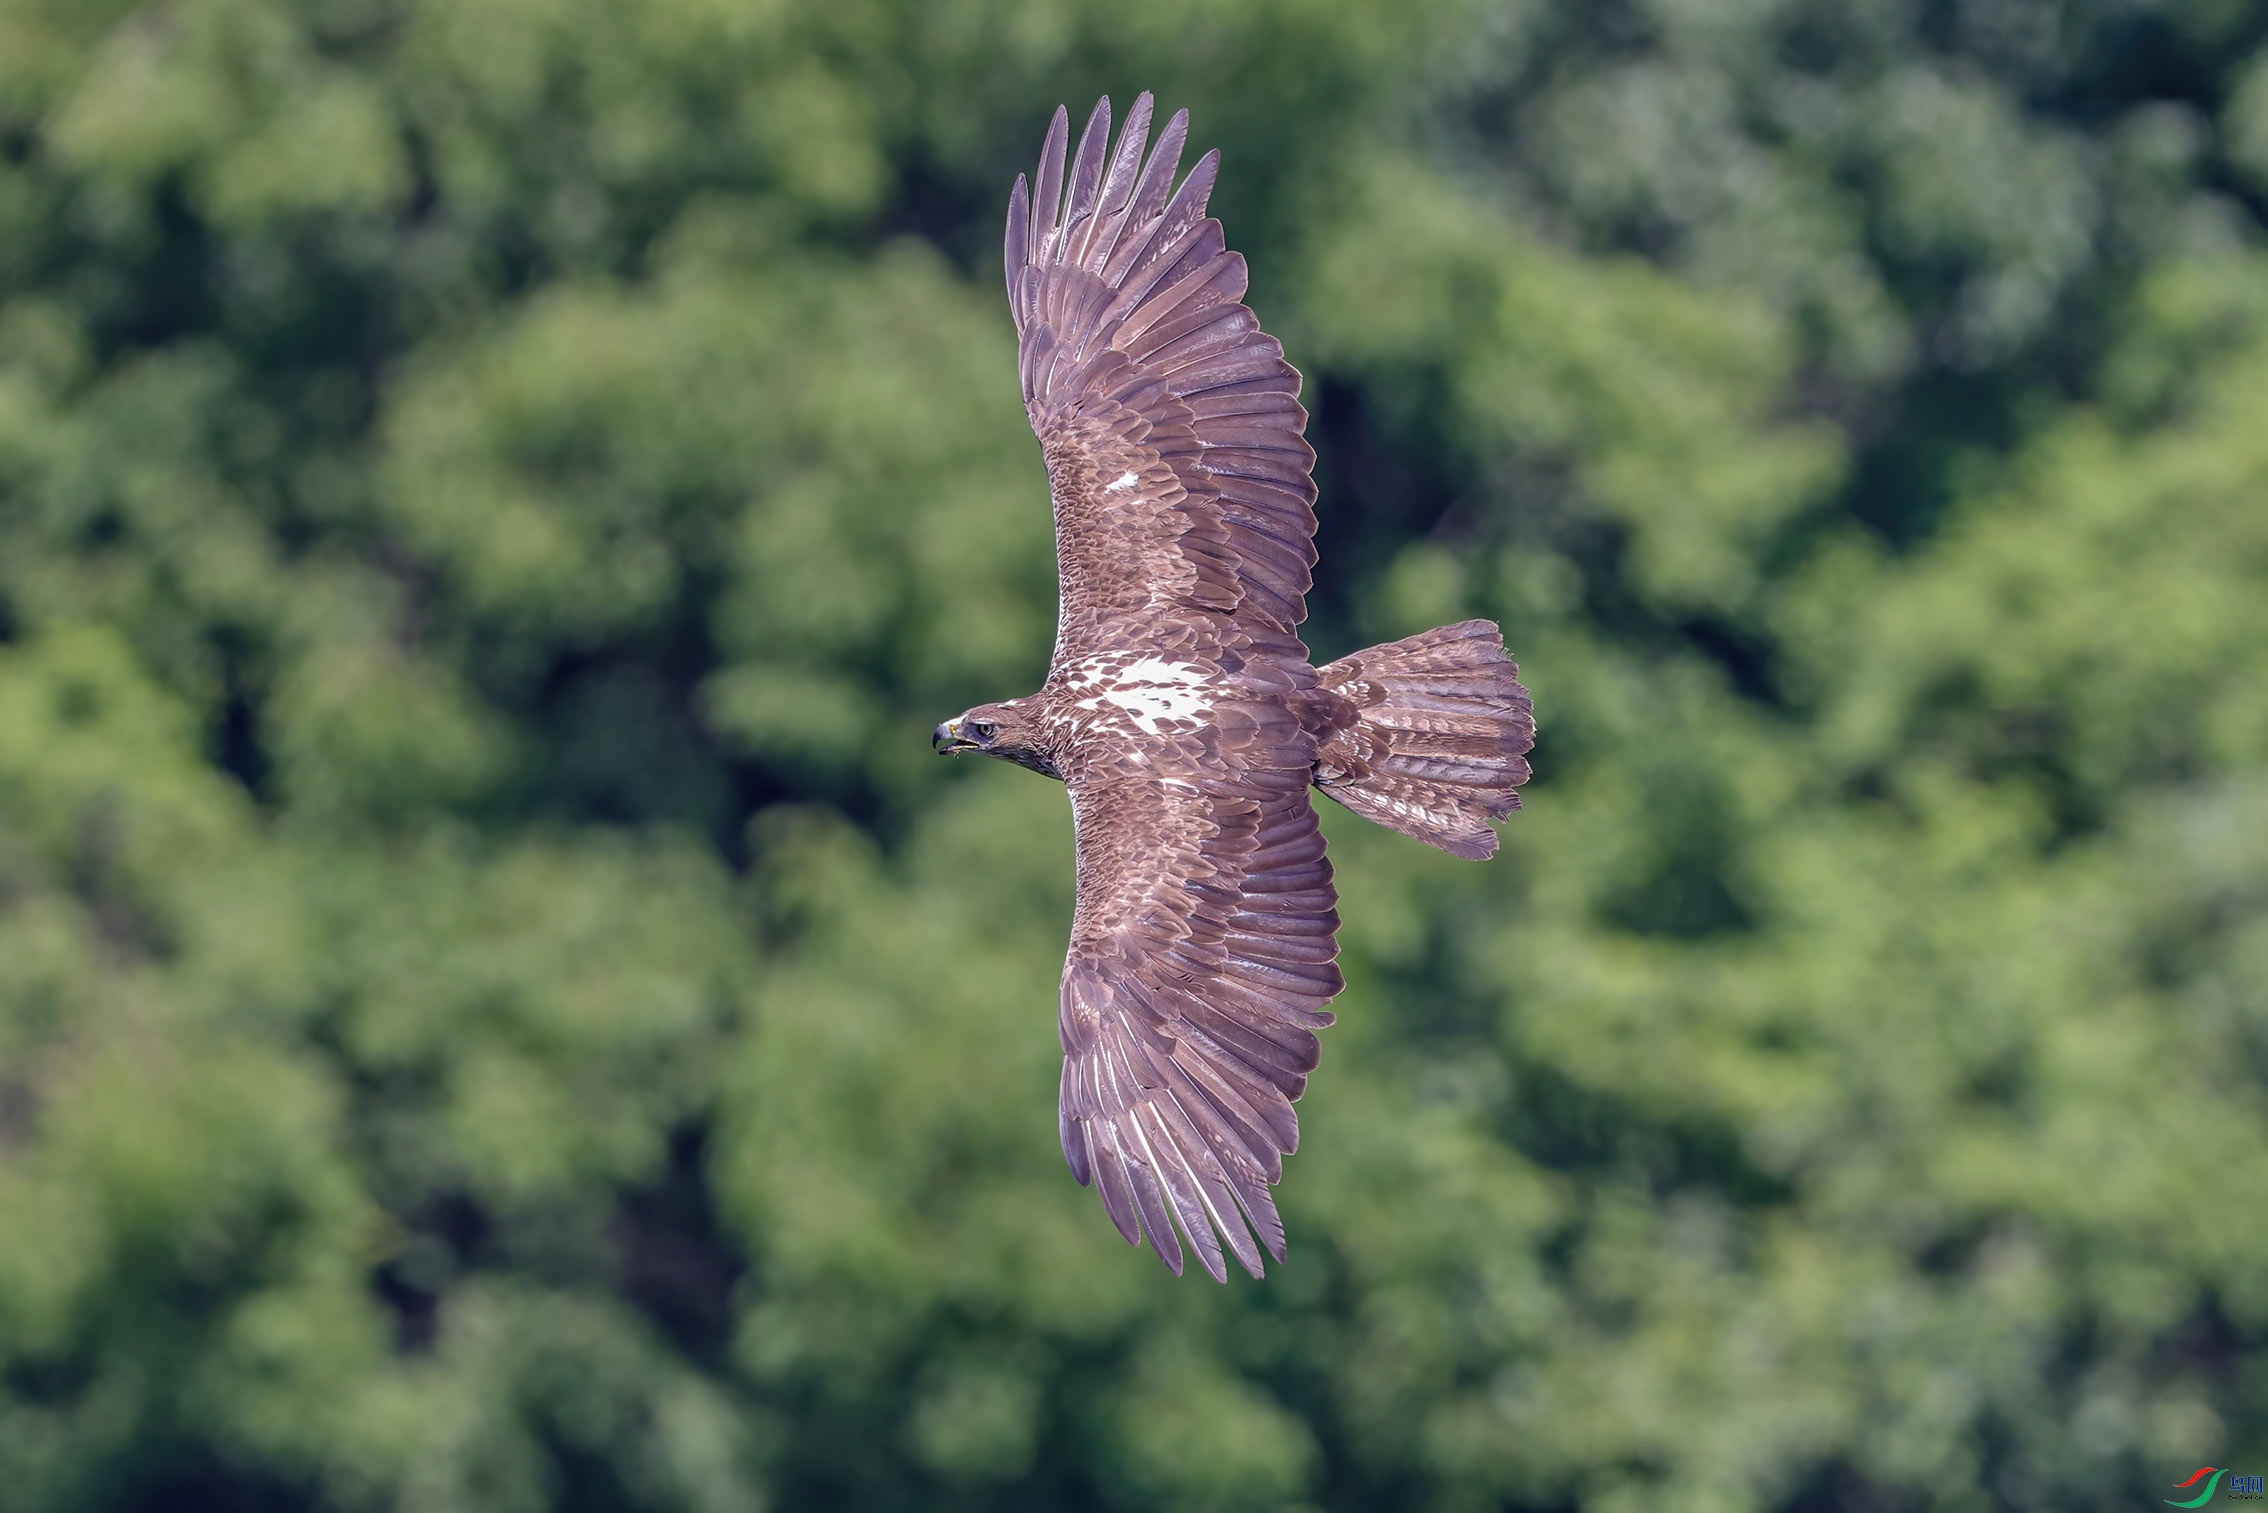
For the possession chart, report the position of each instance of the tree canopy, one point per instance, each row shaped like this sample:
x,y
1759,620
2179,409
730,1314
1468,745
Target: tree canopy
x,y
500,1009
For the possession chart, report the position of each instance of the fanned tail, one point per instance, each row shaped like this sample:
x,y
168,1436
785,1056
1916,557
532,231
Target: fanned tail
x,y
1438,743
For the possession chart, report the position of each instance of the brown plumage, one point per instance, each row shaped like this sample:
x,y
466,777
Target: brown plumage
x,y
1180,709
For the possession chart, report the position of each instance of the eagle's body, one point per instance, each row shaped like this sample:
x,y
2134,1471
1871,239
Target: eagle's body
x,y
1180,709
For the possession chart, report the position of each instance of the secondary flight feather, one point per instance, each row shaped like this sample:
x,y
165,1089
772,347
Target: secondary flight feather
x,y
1180,709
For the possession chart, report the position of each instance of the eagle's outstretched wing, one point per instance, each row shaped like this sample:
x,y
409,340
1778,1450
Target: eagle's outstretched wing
x,y
1170,421
1203,952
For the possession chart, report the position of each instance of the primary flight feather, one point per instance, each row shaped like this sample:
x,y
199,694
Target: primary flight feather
x,y
1180,709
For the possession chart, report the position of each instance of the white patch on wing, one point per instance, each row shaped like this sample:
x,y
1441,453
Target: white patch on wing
x,y
1122,481
1152,670
1154,691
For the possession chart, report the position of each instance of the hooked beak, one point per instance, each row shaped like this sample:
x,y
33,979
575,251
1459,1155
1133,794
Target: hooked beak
x,y
946,739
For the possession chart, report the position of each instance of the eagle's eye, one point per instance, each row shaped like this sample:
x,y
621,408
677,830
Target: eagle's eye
x,y
983,730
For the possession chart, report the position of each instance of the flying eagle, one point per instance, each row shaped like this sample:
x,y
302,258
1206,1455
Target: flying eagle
x,y
1180,709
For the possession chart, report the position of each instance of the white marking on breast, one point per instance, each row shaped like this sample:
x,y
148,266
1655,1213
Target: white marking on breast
x,y
1153,691
1078,674
1153,670
1122,481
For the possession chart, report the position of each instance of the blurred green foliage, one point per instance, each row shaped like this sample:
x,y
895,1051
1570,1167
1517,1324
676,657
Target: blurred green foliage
x,y
499,1009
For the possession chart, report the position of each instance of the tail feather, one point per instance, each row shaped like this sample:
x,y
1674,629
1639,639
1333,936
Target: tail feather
x,y
1429,736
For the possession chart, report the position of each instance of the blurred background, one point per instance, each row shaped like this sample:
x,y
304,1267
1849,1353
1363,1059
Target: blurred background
x,y
501,1010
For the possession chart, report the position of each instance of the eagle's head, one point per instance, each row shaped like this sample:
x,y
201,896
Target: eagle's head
x,y
1010,731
